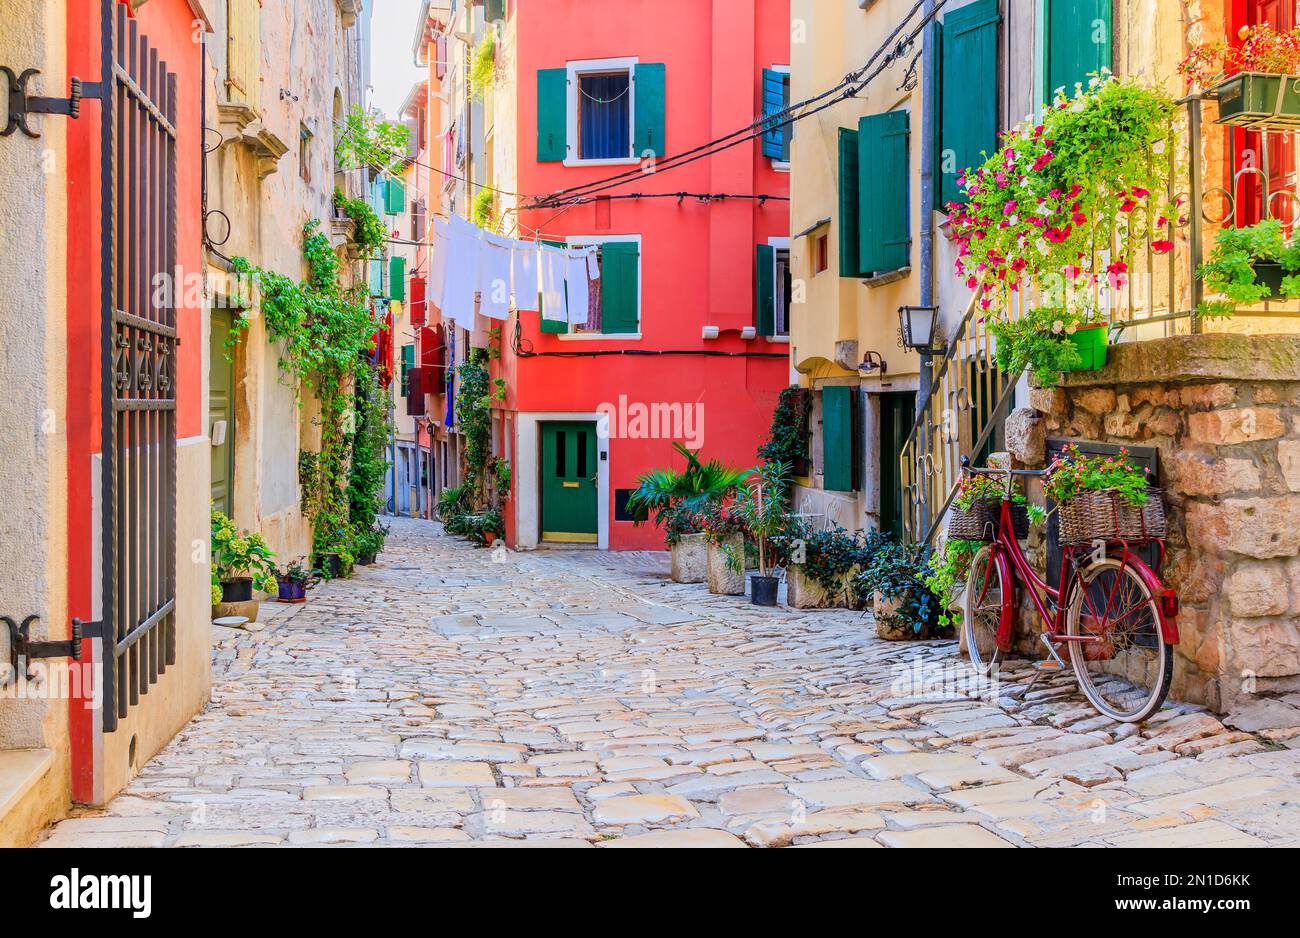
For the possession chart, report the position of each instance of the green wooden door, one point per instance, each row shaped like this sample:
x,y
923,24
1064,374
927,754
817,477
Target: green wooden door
x,y
897,414
569,477
221,422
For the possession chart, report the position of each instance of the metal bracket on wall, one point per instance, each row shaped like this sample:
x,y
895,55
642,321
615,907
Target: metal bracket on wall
x,y
22,104
22,649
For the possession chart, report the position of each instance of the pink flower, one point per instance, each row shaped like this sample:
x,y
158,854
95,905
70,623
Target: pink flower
x,y
1119,267
1009,208
1162,247
1080,218
1055,193
1139,192
1057,235
1075,190
1071,271
1128,205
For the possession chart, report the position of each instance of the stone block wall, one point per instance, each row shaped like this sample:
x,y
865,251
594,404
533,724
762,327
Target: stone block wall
x,y
1224,413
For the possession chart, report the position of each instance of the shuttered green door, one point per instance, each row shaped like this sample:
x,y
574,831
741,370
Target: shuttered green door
x,y
968,98
552,110
620,287
649,105
1077,37
221,409
883,192
850,235
837,438
765,293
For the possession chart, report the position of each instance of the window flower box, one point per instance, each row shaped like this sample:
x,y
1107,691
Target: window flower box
x,y
1259,100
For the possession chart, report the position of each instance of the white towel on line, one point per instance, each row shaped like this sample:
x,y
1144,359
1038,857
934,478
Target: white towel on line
x,y
494,276
577,281
461,281
433,287
524,265
553,272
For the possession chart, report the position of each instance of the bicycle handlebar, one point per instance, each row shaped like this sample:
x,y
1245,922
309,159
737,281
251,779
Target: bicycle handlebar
x,y
986,471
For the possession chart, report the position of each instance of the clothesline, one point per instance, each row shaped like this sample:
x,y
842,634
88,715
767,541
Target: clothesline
x,y
471,270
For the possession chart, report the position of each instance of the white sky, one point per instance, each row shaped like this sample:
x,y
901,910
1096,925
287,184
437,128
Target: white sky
x,y
392,71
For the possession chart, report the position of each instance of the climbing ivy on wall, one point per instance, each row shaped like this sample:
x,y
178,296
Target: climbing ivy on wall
x,y
474,419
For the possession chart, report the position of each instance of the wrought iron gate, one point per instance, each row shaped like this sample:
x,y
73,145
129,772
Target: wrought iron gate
x,y
137,363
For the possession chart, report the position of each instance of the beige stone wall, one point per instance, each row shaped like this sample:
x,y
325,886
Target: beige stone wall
x,y
1224,412
33,412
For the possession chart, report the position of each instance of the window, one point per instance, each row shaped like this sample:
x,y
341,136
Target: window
x,y
613,301
605,116
408,362
776,98
821,253
966,92
874,223
418,216
304,153
609,111
774,286
1076,41
784,287
244,52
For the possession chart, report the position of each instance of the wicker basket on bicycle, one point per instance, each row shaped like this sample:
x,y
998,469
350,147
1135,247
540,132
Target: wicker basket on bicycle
x,y
1105,516
980,523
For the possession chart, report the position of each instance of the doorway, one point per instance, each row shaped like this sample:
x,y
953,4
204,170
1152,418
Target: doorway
x,y
569,489
897,415
221,410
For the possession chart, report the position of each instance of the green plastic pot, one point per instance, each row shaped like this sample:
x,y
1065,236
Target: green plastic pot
x,y
1251,100
1091,341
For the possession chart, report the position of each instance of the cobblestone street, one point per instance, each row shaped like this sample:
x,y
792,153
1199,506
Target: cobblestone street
x,y
581,698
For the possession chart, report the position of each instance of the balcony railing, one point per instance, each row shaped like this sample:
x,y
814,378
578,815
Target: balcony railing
x,y
970,396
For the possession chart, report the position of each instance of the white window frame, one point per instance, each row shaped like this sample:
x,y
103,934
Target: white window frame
x,y
587,241
783,166
778,285
582,67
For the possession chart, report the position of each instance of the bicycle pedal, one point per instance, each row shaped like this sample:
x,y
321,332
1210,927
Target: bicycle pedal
x,y
1048,665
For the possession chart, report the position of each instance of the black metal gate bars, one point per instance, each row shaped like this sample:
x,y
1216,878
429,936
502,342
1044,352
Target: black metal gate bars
x,y
137,363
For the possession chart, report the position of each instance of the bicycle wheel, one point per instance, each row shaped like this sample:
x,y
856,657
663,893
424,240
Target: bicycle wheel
x,y
1125,669
981,611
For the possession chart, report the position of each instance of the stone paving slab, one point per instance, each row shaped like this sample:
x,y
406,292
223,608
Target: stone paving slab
x,y
578,698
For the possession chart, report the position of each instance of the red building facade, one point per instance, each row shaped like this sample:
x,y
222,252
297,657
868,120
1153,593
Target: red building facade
x,y
687,334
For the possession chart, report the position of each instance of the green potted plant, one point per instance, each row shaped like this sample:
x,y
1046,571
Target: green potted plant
x,y
894,576
822,561
1250,81
764,509
369,543
724,530
240,562
292,582
675,499
1249,265
1049,341
948,571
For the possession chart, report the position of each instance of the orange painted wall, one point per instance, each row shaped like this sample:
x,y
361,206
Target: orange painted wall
x,y
698,260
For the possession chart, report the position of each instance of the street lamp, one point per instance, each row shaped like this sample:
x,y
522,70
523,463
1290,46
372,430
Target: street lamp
x,y
918,329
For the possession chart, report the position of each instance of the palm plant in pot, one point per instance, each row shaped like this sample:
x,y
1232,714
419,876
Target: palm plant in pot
x,y
764,508
675,500
240,561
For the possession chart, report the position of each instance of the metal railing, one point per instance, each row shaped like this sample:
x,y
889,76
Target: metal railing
x,y
1155,297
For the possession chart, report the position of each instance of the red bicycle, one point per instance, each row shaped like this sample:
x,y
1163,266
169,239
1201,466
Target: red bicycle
x,y
1117,618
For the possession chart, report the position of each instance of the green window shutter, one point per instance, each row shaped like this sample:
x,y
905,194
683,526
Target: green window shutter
x,y
883,192
376,278
395,197
550,326
765,318
848,204
1077,40
552,115
649,104
408,362
397,278
620,279
496,10
776,97
968,109
837,439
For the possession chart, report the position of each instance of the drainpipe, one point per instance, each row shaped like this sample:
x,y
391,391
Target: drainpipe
x,y
927,197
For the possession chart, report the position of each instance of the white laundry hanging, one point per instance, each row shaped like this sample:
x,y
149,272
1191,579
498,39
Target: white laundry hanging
x,y
439,249
461,281
524,266
494,276
554,271
577,281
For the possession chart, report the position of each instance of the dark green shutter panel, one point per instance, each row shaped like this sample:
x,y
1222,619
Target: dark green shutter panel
x,y
776,97
1077,39
408,362
552,111
649,104
551,326
848,204
395,197
883,204
397,279
837,439
934,84
496,10
620,274
765,278
968,112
